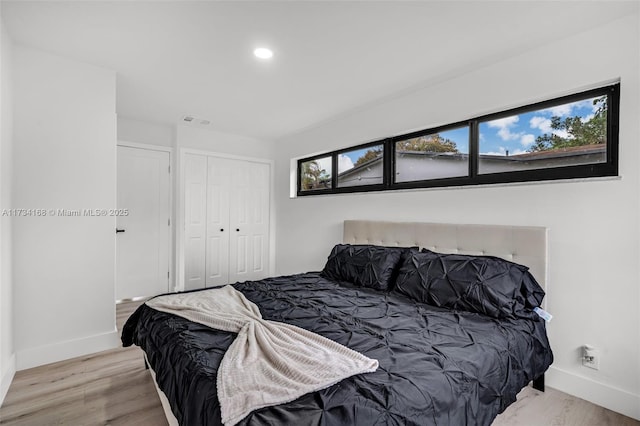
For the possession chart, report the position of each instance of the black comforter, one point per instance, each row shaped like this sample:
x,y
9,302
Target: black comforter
x,y
437,367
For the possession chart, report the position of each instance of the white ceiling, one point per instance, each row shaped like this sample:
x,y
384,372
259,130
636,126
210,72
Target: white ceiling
x,y
181,57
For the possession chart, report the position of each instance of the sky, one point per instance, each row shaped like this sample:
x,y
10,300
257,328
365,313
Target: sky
x,y
517,133
325,163
513,134
346,160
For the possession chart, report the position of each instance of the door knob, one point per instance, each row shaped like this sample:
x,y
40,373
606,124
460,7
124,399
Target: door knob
x,y
221,229
237,229
119,230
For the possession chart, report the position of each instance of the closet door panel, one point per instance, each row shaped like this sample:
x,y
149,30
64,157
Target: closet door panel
x,y
249,209
258,251
260,177
217,254
241,255
226,220
195,220
238,220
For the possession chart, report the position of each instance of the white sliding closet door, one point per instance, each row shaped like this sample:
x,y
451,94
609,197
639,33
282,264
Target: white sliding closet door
x,y
249,207
226,220
218,182
195,225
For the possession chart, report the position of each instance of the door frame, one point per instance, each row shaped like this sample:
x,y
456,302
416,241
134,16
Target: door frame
x,y
179,282
172,207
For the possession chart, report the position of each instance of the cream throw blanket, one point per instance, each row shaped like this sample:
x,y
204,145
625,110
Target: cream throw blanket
x,y
269,363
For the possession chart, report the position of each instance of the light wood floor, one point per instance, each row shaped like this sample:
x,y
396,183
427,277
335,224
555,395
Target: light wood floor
x,y
113,388
106,388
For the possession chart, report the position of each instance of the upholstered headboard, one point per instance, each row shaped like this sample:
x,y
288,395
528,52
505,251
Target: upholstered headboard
x,y
526,245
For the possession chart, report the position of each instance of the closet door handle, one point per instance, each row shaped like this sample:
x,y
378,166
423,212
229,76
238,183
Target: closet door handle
x,y
221,229
237,229
119,230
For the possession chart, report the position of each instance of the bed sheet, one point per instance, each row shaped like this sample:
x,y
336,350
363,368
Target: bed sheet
x,y
437,367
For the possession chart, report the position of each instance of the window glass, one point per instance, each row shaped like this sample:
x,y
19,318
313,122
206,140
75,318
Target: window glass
x,y
364,166
315,174
571,137
433,156
563,135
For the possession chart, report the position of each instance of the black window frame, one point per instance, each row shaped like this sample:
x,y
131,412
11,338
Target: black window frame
x,y
581,171
299,172
429,183
362,188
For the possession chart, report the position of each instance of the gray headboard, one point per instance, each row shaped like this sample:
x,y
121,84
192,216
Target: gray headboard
x,y
526,245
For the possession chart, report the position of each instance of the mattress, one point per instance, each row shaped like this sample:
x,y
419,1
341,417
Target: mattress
x,y
437,366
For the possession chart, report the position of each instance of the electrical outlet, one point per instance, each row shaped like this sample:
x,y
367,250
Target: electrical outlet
x,y
590,357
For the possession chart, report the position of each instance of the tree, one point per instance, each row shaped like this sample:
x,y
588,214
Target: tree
x,y
368,156
428,143
313,177
577,131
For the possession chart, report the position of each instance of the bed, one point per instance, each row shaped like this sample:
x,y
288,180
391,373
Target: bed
x,y
442,361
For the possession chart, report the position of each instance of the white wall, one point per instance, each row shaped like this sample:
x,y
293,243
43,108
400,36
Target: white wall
x,y
593,292
130,130
7,352
223,143
64,158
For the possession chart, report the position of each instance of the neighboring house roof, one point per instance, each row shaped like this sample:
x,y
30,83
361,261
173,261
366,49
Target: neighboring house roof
x,y
552,153
444,155
360,166
527,156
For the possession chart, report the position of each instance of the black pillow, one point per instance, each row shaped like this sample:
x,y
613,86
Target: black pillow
x,y
483,284
364,265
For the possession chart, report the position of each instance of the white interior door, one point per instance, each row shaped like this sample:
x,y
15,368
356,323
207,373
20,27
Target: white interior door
x,y
142,246
195,217
249,220
217,249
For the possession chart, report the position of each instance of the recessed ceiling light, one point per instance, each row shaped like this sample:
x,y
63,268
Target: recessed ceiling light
x,y
263,53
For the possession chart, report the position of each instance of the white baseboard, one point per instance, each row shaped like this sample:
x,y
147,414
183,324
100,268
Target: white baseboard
x,y
606,396
34,357
7,377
